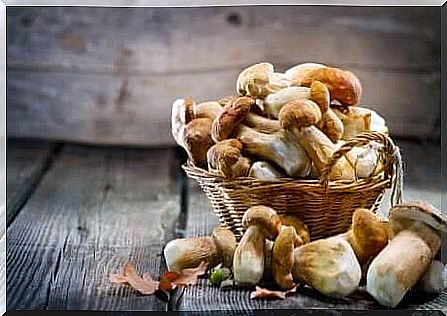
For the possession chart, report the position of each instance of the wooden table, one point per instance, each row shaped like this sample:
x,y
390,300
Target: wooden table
x,y
75,214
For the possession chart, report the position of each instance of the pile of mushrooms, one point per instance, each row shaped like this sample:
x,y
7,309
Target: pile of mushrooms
x,y
390,256
280,125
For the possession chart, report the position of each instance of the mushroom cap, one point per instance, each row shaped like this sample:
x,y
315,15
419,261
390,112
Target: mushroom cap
x,y
368,235
232,114
300,228
343,85
197,140
225,159
404,214
226,244
265,217
254,80
283,256
299,113
319,93
181,114
184,253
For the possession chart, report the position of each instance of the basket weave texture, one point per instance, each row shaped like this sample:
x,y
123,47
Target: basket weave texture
x,y
325,206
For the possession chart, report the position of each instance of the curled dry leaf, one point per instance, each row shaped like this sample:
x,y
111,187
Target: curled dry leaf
x,y
268,294
189,276
171,279
145,285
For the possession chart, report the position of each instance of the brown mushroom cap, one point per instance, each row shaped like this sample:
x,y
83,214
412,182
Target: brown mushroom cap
x,y
343,85
368,235
283,257
225,159
404,214
300,228
319,93
299,113
232,114
226,244
197,140
265,217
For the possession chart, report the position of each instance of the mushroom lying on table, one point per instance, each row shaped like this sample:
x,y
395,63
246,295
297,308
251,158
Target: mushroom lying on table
x,y
397,268
184,253
261,223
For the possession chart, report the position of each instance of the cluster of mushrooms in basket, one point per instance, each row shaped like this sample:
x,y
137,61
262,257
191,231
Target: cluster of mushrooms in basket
x,y
289,125
280,125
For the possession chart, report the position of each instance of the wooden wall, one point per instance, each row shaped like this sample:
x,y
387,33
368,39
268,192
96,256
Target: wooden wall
x,y
109,75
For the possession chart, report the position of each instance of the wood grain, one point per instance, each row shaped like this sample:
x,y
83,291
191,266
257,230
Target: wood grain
x,y
109,75
140,40
423,163
135,110
94,210
26,161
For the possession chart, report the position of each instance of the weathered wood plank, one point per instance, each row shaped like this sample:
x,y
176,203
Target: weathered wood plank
x,y
26,161
173,39
94,210
202,220
134,109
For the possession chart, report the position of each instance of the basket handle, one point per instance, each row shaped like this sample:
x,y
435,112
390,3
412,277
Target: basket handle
x,y
390,155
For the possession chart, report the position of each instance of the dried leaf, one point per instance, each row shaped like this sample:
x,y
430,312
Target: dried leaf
x,y
268,294
189,276
145,285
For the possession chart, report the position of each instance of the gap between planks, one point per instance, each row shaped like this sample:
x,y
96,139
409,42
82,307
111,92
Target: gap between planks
x,y
106,195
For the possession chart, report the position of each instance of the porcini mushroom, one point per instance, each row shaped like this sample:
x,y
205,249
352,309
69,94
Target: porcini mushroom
x,y
300,117
180,117
225,159
184,253
212,109
274,102
368,235
232,114
226,245
397,268
297,71
330,124
300,228
328,265
262,170
344,86
432,282
357,120
197,140
258,81
281,148
261,223
283,256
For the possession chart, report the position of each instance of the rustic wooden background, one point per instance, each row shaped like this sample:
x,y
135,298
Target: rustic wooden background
x,y
109,75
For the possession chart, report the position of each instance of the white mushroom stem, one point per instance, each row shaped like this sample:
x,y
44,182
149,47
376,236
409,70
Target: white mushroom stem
x,y
249,257
327,265
398,267
275,101
281,148
320,149
262,170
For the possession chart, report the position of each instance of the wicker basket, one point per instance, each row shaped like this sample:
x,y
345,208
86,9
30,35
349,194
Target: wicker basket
x,y
326,207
